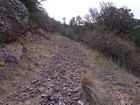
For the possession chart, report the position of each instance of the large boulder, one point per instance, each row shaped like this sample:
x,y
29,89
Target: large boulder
x,y
13,19
10,55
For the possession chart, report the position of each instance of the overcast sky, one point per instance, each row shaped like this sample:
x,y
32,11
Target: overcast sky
x,y
68,8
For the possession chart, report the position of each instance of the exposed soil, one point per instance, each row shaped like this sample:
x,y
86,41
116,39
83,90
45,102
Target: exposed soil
x,y
55,76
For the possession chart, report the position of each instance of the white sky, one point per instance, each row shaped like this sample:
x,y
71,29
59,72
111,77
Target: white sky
x,y
70,8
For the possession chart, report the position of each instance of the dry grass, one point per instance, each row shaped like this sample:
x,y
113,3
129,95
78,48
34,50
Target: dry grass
x,y
90,89
87,79
122,51
104,69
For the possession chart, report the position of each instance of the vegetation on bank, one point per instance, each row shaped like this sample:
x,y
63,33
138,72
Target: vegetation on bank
x,y
112,31
39,16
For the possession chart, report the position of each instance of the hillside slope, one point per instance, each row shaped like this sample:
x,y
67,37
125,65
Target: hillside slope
x,y
50,71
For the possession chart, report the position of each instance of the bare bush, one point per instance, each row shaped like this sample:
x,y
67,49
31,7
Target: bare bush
x,y
122,51
112,18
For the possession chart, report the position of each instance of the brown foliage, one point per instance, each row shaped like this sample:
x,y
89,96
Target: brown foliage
x,y
122,51
113,18
89,92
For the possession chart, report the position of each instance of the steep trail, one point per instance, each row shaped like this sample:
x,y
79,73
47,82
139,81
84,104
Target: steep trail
x,y
57,81
57,84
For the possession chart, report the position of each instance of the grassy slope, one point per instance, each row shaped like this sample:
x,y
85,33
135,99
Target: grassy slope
x,y
112,80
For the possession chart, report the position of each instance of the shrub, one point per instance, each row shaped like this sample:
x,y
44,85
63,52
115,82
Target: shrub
x,y
110,17
31,5
38,15
67,32
122,51
137,37
45,22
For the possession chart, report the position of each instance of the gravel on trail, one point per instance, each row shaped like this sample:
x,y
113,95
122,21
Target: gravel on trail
x,y
59,82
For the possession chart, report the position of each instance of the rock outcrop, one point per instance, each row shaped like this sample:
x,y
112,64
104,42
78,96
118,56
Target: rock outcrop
x,y
13,19
10,55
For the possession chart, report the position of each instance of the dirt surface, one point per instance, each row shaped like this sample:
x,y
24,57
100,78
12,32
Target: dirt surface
x,y
57,79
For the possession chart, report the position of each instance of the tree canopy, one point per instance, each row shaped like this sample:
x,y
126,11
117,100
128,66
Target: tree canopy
x,y
119,19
